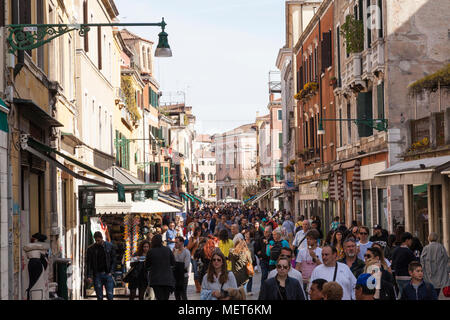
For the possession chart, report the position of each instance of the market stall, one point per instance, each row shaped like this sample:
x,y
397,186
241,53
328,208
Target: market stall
x,y
126,224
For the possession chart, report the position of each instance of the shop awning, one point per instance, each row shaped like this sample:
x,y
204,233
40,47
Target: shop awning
x,y
36,114
170,200
43,151
245,201
422,171
129,181
106,203
264,194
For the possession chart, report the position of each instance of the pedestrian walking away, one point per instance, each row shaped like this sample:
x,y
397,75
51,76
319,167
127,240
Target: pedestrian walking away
x,y
160,262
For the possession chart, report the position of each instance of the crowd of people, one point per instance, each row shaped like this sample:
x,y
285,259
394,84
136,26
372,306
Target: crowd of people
x,y
223,246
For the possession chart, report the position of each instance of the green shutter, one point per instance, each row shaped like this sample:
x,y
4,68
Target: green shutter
x,y
166,175
380,100
364,111
280,140
161,173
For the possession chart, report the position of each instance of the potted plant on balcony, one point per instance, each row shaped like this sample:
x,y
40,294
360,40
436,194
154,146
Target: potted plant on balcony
x,y
353,32
292,162
333,82
289,168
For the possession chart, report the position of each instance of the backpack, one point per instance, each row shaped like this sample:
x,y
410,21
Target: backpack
x,y
275,251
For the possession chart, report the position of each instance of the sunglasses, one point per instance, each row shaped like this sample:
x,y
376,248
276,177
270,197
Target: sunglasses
x,y
368,256
282,267
217,260
363,233
285,256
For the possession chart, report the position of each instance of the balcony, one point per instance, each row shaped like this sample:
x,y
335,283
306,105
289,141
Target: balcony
x,y
353,71
377,56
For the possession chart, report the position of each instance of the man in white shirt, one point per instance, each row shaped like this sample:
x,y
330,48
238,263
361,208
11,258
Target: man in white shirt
x,y
331,270
363,244
299,236
293,273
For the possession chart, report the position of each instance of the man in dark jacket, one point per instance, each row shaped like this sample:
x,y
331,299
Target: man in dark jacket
x,y
260,250
282,287
379,235
418,289
100,264
401,257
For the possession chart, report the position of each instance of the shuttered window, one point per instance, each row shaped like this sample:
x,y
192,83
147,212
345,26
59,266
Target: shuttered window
x,y
326,50
99,45
85,21
380,100
280,140
364,111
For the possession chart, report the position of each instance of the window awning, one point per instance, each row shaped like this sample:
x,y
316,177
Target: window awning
x,y
43,151
264,194
130,182
422,171
170,200
36,114
107,203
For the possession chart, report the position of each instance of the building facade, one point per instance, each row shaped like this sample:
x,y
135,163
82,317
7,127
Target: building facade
x,y
236,162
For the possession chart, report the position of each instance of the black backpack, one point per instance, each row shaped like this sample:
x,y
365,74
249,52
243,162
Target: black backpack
x,y
275,251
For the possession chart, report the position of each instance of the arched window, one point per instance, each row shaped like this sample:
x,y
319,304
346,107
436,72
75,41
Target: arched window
x,y
202,176
210,177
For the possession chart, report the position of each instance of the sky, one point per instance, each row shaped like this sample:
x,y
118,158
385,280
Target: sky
x,y
222,50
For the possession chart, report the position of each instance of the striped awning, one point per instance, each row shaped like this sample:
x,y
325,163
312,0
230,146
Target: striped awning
x,y
356,183
340,184
332,187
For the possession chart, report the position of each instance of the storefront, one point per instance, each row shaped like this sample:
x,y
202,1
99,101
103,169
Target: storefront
x,y
125,225
425,185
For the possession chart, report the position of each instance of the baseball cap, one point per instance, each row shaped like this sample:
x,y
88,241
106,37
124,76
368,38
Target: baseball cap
x,y
377,226
366,280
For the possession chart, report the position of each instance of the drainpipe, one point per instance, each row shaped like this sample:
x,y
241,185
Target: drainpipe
x,y
320,93
10,219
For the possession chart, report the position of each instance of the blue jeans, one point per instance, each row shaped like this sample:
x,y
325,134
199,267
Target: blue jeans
x,y
249,285
264,271
401,285
194,268
100,280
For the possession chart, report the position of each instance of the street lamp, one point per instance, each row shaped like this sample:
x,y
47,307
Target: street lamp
x,y
163,48
24,37
378,124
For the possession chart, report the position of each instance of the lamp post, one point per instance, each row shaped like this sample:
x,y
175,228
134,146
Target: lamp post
x,y
378,124
24,37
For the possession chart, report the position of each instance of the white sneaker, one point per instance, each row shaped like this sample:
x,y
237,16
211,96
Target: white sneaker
x,y
250,293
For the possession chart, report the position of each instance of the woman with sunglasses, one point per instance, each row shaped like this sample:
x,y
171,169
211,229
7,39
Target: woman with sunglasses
x,y
376,266
282,287
363,243
217,279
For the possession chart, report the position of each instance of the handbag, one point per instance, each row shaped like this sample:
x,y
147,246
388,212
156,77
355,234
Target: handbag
x,y
250,270
130,275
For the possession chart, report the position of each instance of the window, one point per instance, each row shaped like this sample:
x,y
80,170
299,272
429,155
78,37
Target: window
x,y
280,140
99,127
280,115
340,127
235,193
99,46
364,111
349,124
380,100
369,25
420,129
326,50
85,21
380,14
202,177
338,47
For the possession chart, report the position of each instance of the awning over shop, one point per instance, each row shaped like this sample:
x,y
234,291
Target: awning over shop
x,y
192,197
422,171
170,200
245,201
106,203
130,182
34,113
43,151
264,194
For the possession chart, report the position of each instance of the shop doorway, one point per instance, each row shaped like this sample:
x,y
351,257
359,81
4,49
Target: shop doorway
x,y
420,203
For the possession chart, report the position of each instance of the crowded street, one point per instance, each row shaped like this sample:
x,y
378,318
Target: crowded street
x,y
208,153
